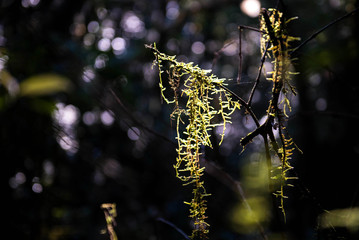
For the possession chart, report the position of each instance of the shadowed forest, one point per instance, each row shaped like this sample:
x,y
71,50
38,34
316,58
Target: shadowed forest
x,y
88,143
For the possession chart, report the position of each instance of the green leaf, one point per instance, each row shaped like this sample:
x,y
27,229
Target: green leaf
x,y
44,84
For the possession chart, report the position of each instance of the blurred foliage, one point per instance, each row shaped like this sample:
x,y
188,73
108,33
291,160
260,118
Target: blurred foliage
x,y
93,129
44,84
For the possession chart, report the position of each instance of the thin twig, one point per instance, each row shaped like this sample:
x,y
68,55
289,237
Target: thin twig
x,y
251,28
243,103
173,226
240,55
325,113
217,53
240,28
134,120
322,29
227,180
258,76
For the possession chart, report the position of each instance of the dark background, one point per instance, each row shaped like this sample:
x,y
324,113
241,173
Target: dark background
x,y
66,150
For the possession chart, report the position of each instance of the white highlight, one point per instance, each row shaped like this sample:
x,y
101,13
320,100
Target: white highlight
x,y
251,7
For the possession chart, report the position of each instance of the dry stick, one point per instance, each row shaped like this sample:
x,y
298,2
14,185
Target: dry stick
x,y
258,76
322,29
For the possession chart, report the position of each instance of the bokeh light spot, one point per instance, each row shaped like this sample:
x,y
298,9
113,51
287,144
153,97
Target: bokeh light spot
x,y
18,179
29,3
89,118
133,133
321,104
251,7
66,115
104,44
100,61
107,118
118,45
108,32
132,23
172,10
88,74
198,48
37,188
93,26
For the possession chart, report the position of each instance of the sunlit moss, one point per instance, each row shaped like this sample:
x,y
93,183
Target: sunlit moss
x,y
199,89
194,92
109,209
279,41
276,43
